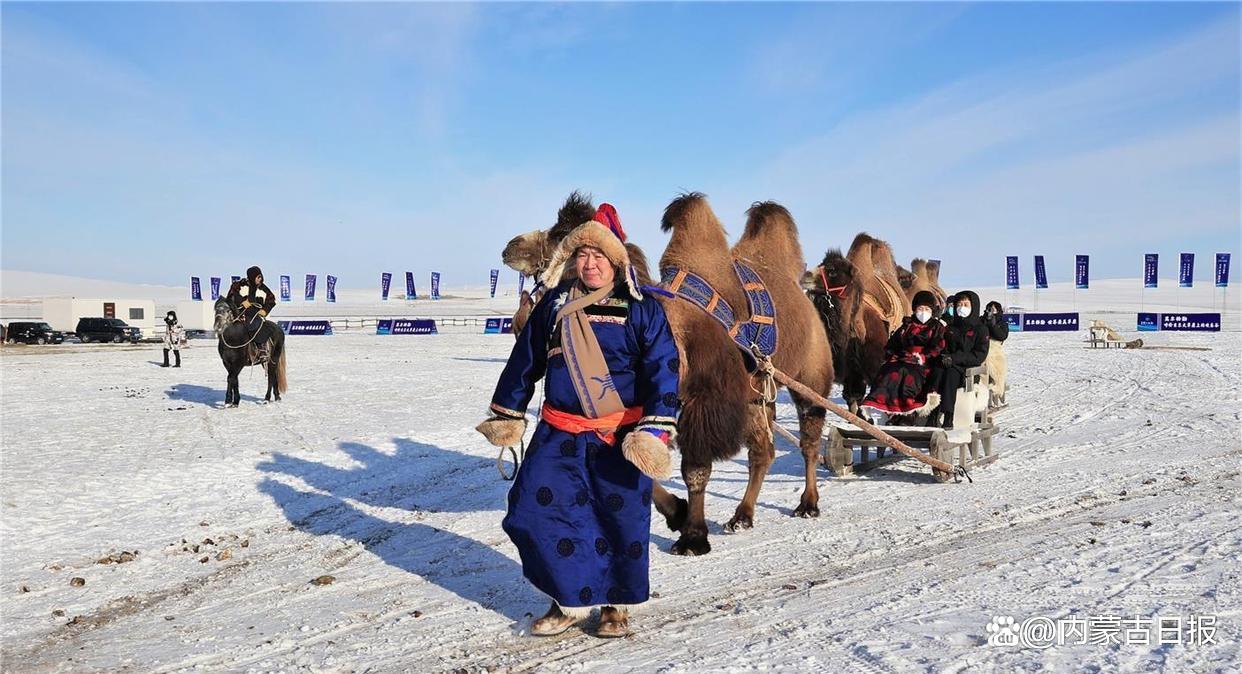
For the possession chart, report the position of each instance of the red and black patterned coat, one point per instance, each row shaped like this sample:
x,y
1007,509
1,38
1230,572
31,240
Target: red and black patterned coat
x,y
900,386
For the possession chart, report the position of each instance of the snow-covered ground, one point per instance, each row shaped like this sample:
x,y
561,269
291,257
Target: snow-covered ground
x,y
1116,493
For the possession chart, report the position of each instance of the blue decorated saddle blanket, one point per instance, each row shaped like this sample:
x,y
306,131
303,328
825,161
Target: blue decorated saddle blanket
x,y
757,330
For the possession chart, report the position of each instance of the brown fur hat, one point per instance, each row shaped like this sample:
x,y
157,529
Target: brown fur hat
x,y
603,232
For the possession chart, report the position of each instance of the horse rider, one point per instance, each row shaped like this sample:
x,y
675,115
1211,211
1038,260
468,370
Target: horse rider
x,y
253,298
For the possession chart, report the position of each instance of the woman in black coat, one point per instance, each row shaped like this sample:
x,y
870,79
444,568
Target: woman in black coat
x,y
994,319
966,342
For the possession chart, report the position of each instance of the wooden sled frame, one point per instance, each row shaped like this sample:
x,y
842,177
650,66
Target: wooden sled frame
x,y
971,437
1103,336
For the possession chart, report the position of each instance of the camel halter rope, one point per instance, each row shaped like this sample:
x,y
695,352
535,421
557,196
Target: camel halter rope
x,y
517,454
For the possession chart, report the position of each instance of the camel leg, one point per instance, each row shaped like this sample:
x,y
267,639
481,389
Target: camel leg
x,y
673,508
693,539
811,425
855,389
759,456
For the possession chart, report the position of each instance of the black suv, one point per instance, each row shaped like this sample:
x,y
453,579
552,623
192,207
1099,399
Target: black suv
x,y
106,330
33,333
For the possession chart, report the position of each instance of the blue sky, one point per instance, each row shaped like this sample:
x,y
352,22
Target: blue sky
x,y
150,142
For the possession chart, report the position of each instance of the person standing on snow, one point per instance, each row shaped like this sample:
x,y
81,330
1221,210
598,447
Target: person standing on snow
x,y
579,510
174,337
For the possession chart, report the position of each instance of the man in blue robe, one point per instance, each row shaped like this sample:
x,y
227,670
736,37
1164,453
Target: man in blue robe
x,y
580,507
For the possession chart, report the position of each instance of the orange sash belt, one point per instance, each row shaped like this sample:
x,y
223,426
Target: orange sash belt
x,y
605,427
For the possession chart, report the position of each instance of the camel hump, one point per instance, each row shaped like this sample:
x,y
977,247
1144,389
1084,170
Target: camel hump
x,y
765,216
686,208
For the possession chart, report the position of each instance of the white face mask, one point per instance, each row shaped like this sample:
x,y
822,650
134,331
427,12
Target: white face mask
x,y
923,316
963,311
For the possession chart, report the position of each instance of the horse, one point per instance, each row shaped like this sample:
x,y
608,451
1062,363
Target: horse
x,y
238,350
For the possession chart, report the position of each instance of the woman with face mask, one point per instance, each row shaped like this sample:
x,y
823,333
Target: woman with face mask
x,y
174,337
900,386
966,340
994,318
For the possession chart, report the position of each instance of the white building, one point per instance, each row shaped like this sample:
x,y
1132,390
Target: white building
x,y
62,313
194,315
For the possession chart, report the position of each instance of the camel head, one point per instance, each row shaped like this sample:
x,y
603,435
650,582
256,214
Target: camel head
x,y
528,253
836,270
905,277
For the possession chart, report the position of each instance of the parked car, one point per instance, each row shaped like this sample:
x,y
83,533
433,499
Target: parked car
x,y
106,330
33,333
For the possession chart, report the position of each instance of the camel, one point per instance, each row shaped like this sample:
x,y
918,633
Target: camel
x,y
926,277
769,246
860,302
721,409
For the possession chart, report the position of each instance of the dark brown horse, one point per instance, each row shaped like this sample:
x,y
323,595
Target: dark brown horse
x,y
239,349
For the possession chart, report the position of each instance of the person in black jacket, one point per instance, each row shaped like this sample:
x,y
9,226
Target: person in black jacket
x,y
966,346
994,319
253,297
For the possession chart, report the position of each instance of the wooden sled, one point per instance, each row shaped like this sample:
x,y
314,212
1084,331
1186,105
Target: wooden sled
x,y
1103,336
968,445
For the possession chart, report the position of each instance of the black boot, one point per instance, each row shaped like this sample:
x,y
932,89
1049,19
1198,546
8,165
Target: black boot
x,y
947,423
165,358
178,355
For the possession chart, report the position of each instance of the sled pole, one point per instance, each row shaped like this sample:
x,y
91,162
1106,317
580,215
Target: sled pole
x,y
871,430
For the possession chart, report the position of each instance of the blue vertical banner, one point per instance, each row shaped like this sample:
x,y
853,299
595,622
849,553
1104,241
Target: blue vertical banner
x,y
1186,273
385,283
331,288
1082,272
521,283
196,290
435,285
286,289
1011,272
215,288
495,278
1151,270
1222,270
310,287
410,292
1041,273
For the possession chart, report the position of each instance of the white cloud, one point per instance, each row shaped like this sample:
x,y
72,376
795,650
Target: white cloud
x,y
1106,150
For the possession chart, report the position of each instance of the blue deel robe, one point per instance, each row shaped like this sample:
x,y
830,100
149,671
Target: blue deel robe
x,y
579,512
